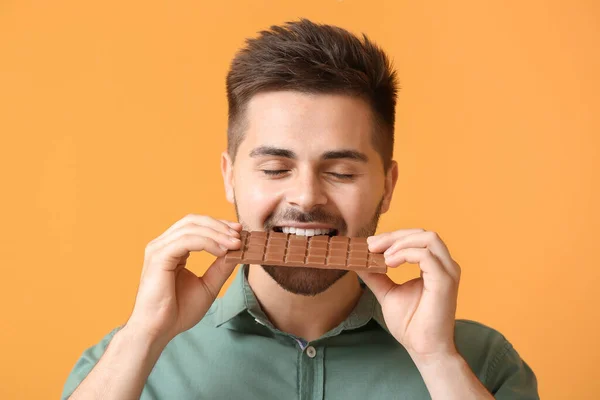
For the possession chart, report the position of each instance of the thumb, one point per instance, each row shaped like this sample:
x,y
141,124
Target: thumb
x,y
216,275
380,284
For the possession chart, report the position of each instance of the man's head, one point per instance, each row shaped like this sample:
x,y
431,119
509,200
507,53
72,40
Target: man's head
x,y
310,138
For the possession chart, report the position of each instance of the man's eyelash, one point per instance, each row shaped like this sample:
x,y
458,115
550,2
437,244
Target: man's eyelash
x,y
275,172
341,176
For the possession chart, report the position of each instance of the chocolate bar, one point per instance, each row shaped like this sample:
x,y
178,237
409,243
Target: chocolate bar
x,y
336,252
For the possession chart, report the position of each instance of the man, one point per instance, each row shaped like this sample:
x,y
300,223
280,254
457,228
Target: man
x,y
311,124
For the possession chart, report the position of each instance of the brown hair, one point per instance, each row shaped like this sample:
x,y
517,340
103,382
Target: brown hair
x,y
313,58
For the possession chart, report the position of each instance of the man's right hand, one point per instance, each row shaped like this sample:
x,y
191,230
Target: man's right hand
x,y
171,299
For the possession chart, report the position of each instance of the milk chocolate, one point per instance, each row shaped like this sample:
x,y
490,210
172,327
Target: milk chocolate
x,y
325,252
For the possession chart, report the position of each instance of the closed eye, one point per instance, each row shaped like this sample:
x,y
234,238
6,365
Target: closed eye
x,y
341,176
279,172
274,172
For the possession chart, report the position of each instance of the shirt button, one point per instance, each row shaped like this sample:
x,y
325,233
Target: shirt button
x,y
311,352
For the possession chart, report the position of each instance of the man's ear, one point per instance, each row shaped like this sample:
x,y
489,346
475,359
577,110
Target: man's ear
x,y
391,177
227,172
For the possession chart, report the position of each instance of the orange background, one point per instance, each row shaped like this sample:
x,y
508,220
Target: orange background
x,y
113,115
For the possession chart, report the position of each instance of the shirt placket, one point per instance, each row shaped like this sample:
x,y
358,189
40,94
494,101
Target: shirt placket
x,y
311,372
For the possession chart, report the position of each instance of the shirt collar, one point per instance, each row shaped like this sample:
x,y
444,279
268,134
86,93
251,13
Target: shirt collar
x,y
240,298
233,301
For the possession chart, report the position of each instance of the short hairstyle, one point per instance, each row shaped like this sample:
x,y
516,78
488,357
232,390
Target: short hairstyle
x,y
313,58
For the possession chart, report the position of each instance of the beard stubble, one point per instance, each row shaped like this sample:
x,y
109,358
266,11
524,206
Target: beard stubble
x,y
311,281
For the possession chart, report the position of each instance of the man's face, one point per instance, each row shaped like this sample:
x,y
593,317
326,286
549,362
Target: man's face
x,y
307,162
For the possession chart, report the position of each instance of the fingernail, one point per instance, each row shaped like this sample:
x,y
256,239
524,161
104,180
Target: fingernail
x,y
223,247
234,232
371,239
234,240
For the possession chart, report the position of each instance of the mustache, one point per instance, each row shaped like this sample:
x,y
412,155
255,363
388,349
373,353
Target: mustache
x,y
318,215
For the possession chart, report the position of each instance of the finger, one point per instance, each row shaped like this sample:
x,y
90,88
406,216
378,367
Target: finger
x,y
430,265
187,243
381,242
170,250
201,220
216,275
431,241
380,284
226,241
236,226
183,260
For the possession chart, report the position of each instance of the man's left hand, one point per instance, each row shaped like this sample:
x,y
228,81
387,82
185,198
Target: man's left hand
x,y
419,313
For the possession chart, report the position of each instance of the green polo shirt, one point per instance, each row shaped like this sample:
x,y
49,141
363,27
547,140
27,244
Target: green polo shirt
x,y
234,352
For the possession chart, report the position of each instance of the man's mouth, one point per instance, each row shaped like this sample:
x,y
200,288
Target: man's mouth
x,y
305,231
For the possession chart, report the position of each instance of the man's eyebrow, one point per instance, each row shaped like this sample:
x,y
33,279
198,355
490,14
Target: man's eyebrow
x,y
328,155
351,154
272,151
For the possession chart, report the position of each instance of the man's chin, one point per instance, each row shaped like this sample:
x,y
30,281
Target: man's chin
x,y
304,281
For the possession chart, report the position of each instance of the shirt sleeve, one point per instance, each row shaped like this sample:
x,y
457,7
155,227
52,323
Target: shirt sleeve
x,y
85,364
509,377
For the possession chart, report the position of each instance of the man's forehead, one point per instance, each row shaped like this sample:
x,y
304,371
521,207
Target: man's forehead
x,y
303,122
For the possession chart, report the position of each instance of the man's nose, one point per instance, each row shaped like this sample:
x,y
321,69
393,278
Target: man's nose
x,y
306,191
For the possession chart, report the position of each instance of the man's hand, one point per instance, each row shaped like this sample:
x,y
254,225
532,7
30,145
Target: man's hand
x,y
419,313
172,299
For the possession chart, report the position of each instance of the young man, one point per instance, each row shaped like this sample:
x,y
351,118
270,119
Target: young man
x,y
311,128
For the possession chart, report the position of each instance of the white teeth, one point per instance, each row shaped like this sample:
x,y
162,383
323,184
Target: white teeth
x,y
305,232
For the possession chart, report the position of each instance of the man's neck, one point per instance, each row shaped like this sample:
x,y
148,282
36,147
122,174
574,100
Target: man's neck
x,y
303,316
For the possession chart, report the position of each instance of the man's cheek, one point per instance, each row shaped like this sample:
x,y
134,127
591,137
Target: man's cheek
x,y
259,199
355,213
260,192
